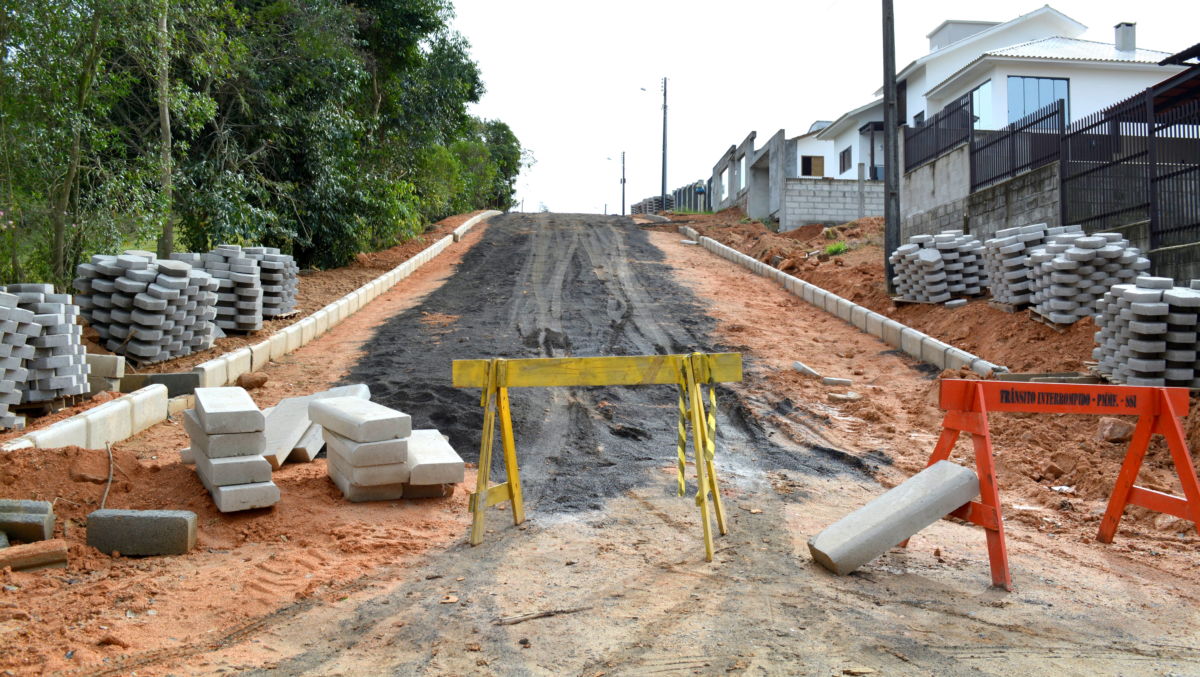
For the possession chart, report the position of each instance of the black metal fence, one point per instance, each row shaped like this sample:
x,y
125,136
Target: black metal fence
x,y
1131,163
1029,143
1175,177
949,128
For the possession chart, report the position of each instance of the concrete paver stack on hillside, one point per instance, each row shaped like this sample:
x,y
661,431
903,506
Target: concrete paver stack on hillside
x,y
147,309
1072,271
14,372
1006,260
226,432
938,268
240,294
56,366
280,279
1148,333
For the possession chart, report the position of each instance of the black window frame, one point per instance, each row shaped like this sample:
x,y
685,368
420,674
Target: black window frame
x,y
846,159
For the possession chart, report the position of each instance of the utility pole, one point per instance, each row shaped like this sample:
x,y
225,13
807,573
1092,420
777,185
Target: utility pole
x,y
622,183
663,197
891,147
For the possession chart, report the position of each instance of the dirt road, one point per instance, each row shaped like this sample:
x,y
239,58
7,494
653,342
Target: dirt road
x,y
608,539
607,535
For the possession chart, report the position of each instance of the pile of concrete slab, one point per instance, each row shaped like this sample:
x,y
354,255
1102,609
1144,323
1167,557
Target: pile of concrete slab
x,y
938,268
280,279
1006,260
240,293
1148,333
147,309
226,432
375,455
13,353
291,436
1072,271
56,366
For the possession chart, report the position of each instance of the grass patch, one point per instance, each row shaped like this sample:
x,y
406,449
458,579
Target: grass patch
x,y
836,248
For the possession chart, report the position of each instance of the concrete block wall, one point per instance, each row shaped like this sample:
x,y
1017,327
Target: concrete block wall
x,y
906,339
143,408
828,201
1032,197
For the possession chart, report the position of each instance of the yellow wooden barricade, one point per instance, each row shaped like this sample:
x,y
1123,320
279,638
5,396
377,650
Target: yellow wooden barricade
x,y
693,374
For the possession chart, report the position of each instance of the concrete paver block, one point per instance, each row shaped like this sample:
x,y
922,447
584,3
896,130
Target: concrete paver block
x,y
309,445
293,334
231,470
109,422
69,432
245,496
368,476
308,330
360,420
278,344
27,526
358,454
142,532
227,410
357,494
260,355
289,420
106,366
238,362
148,406
933,351
874,528
222,446
874,324
892,331
212,373
431,459
910,342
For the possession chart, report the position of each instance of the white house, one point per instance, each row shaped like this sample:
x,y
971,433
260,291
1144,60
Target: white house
x,y
856,137
1013,68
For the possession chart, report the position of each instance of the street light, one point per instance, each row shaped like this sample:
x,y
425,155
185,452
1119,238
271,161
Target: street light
x,y
663,194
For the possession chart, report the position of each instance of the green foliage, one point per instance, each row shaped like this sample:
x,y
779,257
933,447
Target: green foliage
x,y
836,248
323,127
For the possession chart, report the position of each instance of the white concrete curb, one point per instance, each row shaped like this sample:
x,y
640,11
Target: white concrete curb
x,y
130,414
470,223
908,340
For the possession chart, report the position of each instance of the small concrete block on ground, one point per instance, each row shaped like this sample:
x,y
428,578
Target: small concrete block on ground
x,y
358,494
308,446
833,381
221,446
142,532
893,517
245,496
368,476
360,420
367,453
431,459
805,369
230,471
27,520
106,366
228,410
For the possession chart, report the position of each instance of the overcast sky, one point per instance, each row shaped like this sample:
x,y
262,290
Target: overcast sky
x,y
567,76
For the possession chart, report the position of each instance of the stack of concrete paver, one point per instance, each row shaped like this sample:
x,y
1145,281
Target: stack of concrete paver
x,y
12,363
375,455
1148,333
147,309
937,268
54,355
280,278
226,431
240,294
1006,260
1072,271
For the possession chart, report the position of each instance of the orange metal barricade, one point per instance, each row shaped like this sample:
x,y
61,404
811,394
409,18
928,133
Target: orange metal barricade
x,y
968,403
